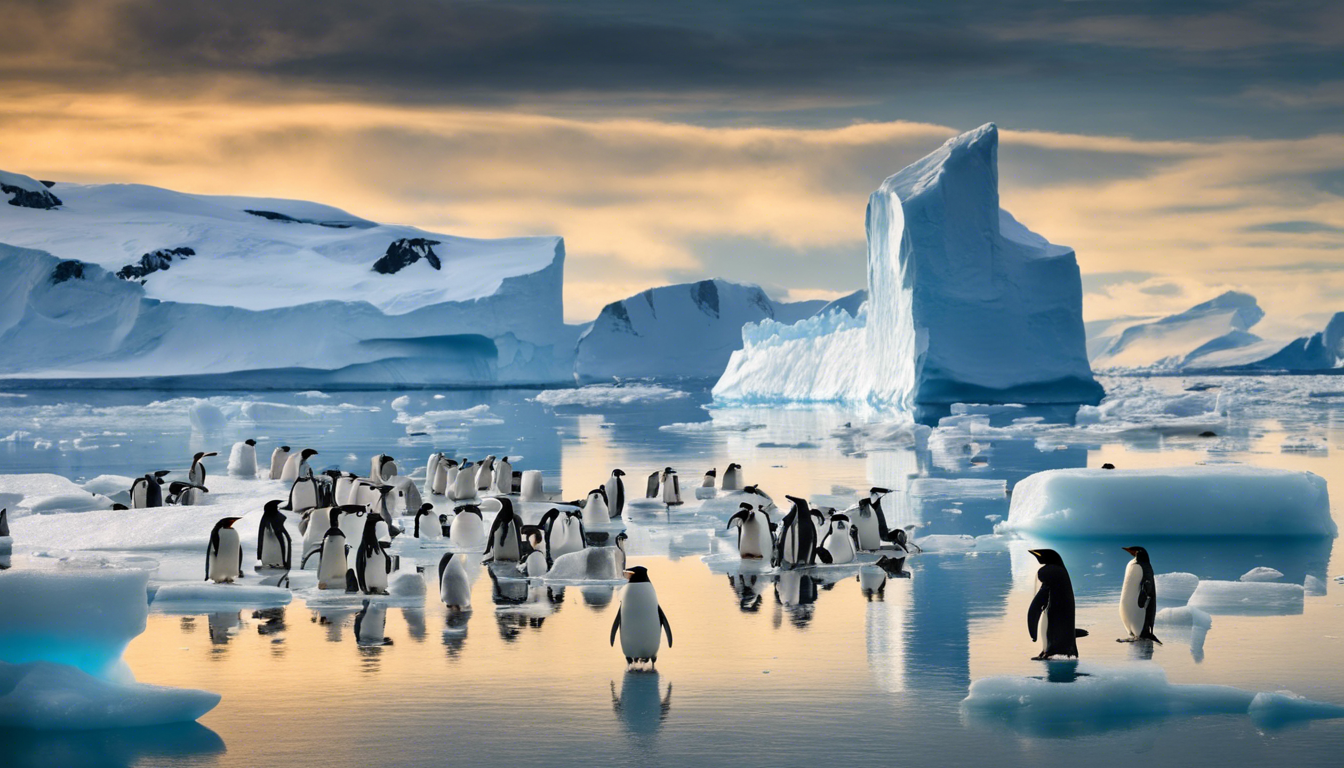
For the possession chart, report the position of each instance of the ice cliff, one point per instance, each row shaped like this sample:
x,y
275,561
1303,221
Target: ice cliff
x,y
686,330
1321,351
964,304
120,280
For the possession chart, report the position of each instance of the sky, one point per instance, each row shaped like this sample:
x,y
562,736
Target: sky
x,y
1182,149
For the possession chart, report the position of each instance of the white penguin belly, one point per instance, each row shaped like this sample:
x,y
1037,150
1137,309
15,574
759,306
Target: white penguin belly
x,y
869,536
454,589
224,562
1043,629
1131,615
754,539
640,629
331,566
467,530
439,486
375,571
272,554
291,471
840,546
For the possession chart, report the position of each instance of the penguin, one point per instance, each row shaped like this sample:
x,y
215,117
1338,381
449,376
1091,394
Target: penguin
x,y
274,544
432,470
732,478
1138,598
870,522
899,538
382,469
303,494
243,459
671,488
640,619
196,475
224,553
370,623
797,541
534,566
710,478
427,526
407,496
372,565
754,536
564,532
651,488
468,528
530,487
332,558
763,500
616,493
838,545
464,487
186,494
315,524
445,475
278,458
503,477
454,589
504,543
296,466
595,508
4,522
621,539
342,487
485,473
146,491
1051,613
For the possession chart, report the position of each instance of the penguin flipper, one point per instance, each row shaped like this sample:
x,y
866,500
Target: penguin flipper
x,y
824,555
662,619
1080,633
616,625
1038,605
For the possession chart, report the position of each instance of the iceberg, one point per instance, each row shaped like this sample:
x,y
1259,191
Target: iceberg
x,y
1248,598
79,617
1214,334
1215,500
42,695
127,281
1323,351
686,330
964,305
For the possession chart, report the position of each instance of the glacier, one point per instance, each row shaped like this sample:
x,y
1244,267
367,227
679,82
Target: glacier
x,y
117,281
1321,351
964,305
1213,334
688,330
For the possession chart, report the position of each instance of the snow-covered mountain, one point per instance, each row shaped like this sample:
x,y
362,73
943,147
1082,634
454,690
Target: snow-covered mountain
x,y
1213,334
124,280
1321,351
687,330
965,304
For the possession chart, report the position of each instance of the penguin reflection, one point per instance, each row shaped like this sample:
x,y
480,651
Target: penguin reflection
x,y
455,632
750,590
371,624
415,623
639,706
272,620
795,593
223,625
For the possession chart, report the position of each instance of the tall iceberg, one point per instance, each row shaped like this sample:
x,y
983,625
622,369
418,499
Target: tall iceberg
x,y
965,305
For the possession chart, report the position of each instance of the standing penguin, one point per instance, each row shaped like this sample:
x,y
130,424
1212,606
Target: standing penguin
x,y
564,532
332,560
710,478
468,528
503,480
616,493
464,486
432,470
797,541
372,565
640,619
505,542
278,458
146,491
1051,613
274,544
186,494
1138,598
382,469
224,553
762,500
454,588
837,546
243,459
196,475
304,494
296,466
671,488
595,509
485,473
732,478
754,537
427,526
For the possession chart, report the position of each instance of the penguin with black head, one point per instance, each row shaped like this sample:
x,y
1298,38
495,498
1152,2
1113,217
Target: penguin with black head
x,y
197,472
1138,598
1051,614
640,619
224,553
616,493
274,545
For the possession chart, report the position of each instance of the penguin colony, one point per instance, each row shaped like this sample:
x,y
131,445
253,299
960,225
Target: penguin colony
x,y
348,523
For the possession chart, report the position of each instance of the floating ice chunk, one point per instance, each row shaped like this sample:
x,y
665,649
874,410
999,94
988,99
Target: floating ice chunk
x,y
79,616
406,584
1175,588
202,597
314,394
1184,617
1078,697
607,394
1226,500
591,564
268,412
947,542
1261,573
1248,598
957,488
714,425
108,485
44,695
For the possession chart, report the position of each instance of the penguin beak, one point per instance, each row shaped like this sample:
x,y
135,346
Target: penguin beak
x,y
629,575
1130,550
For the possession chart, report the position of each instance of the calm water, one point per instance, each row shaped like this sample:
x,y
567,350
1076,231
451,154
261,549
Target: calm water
x,y
786,671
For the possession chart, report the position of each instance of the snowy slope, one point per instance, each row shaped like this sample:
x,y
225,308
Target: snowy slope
x,y
965,304
1211,334
1317,352
686,330
129,280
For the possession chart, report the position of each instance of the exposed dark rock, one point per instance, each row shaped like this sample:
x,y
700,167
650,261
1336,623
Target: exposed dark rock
x,y
153,261
67,270
706,295
275,216
759,298
24,198
405,252
619,317
47,184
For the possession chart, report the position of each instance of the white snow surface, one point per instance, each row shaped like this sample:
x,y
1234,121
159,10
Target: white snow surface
x,y
28,494
1214,500
965,304
598,395
43,695
252,282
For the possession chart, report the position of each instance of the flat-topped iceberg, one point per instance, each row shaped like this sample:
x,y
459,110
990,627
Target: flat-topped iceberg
x,y
1222,500
965,305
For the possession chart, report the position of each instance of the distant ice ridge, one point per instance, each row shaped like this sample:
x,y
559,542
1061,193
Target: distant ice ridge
x,y
132,281
1318,352
1213,334
686,330
965,305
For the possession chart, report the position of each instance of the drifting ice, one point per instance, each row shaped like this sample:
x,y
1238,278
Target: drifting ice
x,y
965,304
1181,501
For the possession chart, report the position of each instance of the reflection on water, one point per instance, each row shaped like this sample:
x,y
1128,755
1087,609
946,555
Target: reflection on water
x,y
643,703
118,748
